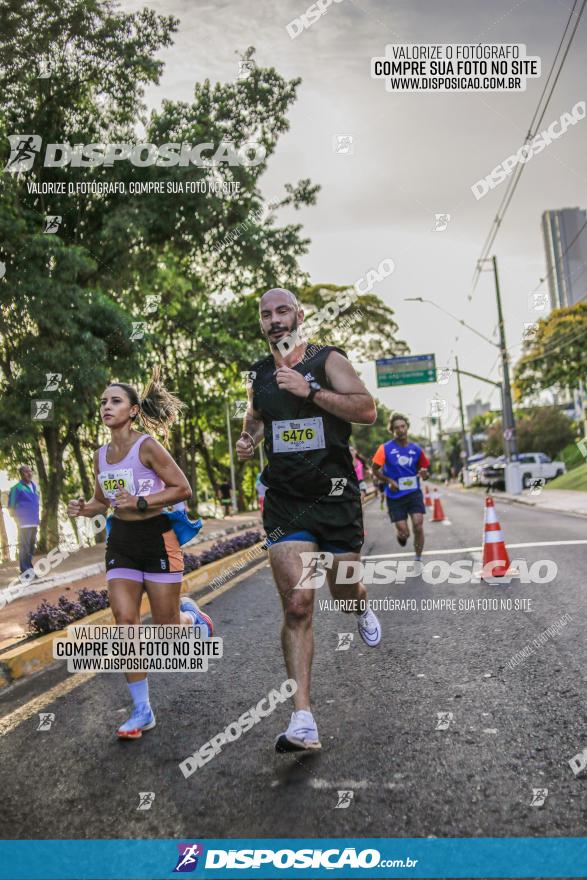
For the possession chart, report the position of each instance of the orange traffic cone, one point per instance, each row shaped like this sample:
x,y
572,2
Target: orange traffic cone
x,y
496,561
427,498
437,511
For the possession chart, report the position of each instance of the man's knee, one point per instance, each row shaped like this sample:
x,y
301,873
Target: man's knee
x,y
297,613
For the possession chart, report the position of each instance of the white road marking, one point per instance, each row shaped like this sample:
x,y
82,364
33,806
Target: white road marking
x,y
343,785
23,713
478,549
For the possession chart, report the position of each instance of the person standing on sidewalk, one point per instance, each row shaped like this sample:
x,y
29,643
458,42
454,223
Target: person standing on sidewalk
x,y
138,477
225,499
23,504
302,401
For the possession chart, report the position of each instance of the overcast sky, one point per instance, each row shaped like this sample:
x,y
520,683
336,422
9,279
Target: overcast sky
x,y
415,154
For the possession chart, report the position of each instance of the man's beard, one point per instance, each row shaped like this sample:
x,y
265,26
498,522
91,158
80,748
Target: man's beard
x,y
290,335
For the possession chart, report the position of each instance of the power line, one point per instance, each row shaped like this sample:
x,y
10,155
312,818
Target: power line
x,y
552,67
514,180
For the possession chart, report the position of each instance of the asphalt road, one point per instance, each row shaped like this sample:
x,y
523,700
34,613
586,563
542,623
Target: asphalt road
x,y
511,731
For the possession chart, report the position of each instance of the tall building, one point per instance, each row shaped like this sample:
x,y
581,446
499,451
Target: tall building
x,y
477,408
565,243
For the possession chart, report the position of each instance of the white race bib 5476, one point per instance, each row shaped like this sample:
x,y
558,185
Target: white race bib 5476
x,y
298,436
407,483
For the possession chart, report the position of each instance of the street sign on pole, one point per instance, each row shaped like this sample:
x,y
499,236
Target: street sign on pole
x,y
408,370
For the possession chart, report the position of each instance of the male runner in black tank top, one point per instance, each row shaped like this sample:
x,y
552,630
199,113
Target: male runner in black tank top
x,y
302,400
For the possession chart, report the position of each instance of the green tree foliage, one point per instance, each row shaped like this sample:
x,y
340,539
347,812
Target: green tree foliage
x,y
367,438
545,429
555,355
539,429
188,267
366,330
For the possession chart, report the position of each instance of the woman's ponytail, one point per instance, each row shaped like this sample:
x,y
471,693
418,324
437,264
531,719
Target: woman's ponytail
x,y
158,407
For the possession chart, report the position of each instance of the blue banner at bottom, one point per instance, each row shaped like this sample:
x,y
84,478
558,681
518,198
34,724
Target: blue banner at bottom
x,y
293,857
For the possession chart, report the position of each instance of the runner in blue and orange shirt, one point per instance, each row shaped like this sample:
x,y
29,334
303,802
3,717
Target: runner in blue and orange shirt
x,y
401,464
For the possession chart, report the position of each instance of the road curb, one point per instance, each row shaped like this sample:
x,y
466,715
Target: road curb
x,y
27,659
512,499
509,500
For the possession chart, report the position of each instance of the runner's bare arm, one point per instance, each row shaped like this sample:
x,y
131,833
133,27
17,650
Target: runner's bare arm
x,y
423,466
348,398
378,471
252,432
98,504
177,488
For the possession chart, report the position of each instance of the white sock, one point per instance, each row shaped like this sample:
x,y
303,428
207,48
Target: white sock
x,y
139,691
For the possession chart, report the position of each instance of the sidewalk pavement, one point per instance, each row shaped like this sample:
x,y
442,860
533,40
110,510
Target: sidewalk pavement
x,y
559,500
85,569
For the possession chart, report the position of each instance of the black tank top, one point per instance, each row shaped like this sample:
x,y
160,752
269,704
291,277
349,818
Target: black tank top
x,y
325,472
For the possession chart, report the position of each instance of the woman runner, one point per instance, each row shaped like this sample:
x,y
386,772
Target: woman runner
x,y
138,477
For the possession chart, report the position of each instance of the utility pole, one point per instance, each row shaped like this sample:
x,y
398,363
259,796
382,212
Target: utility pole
x,y
509,424
232,472
513,482
441,450
464,440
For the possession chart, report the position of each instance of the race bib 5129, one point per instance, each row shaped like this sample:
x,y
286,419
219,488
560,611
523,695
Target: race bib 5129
x,y
115,480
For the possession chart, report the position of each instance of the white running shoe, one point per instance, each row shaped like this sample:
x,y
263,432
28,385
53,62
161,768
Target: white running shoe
x,y
369,628
200,618
301,734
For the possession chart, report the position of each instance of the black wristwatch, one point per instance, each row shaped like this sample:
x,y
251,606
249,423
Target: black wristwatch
x,y
315,387
142,504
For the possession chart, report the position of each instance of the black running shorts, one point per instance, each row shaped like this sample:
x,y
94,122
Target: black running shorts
x,y
335,527
142,550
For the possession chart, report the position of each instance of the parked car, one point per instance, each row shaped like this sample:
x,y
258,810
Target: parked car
x,y
493,473
534,467
475,464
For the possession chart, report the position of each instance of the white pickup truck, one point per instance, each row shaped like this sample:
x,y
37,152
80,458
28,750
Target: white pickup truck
x,y
534,467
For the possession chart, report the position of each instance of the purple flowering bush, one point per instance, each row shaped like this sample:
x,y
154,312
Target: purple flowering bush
x,y
93,600
47,618
50,618
221,549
